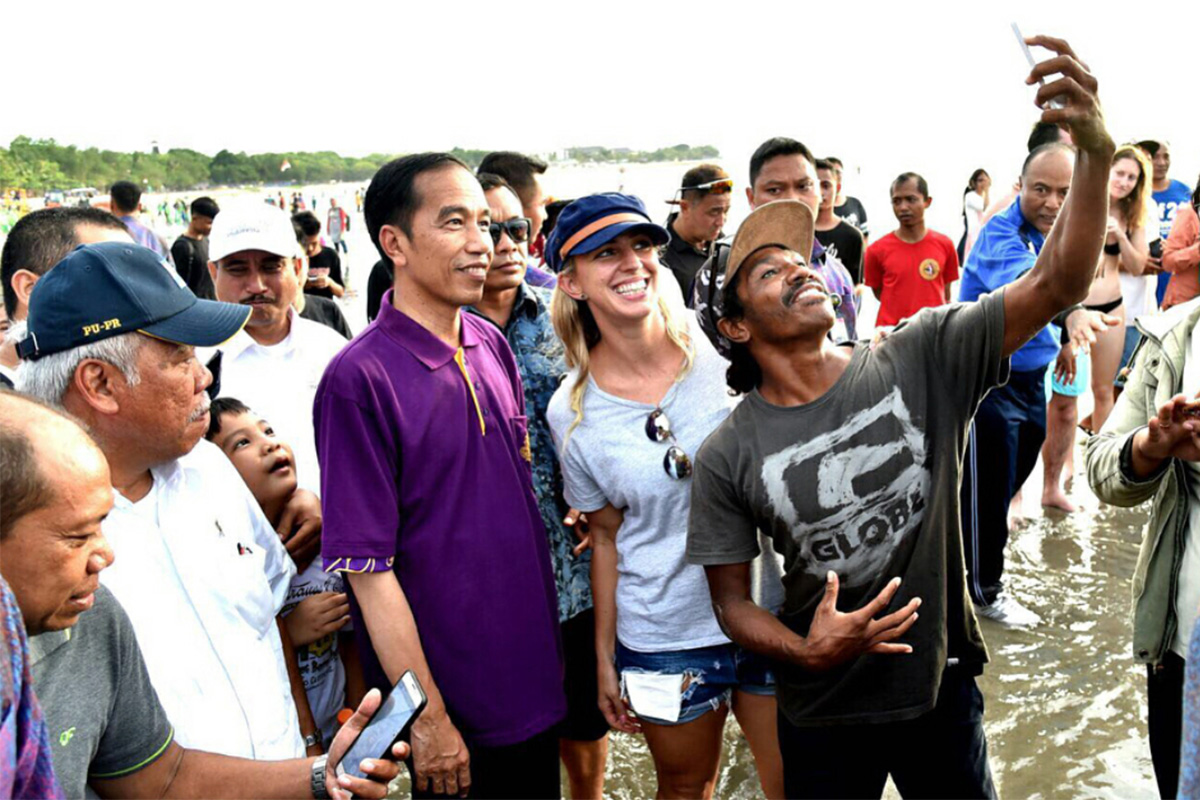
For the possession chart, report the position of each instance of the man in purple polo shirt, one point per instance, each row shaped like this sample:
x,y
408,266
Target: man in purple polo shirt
x,y
428,498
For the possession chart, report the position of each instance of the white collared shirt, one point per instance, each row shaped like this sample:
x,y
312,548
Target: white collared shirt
x,y
203,575
279,382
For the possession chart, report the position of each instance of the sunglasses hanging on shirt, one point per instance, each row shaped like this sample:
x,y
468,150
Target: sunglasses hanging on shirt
x,y
676,462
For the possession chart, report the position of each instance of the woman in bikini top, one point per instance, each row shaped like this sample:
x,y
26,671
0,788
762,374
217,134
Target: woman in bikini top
x,y
1125,250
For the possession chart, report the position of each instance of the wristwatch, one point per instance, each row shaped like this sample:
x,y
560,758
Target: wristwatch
x,y
313,738
316,782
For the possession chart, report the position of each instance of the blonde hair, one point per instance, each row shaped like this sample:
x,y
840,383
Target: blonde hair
x,y
576,327
1135,207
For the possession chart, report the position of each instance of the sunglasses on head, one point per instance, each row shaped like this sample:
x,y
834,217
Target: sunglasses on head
x,y
517,229
719,186
676,462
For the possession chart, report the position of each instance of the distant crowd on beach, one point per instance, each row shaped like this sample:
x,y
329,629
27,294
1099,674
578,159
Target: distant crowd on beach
x,y
582,472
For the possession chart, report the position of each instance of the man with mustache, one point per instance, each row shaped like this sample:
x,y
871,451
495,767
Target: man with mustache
x,y
110,734
850,457
111,339
275,363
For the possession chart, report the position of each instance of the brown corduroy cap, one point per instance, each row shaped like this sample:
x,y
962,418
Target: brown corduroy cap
x,y
783,223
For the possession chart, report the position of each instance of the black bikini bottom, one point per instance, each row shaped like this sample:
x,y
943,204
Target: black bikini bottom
x,y
1105,308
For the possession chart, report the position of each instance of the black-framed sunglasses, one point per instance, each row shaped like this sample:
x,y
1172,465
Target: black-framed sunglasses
x,y
676,463
517,229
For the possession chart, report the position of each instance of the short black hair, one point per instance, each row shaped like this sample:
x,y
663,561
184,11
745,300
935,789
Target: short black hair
x,y
773,148
306,224
552,211
392,198
1044,148
490,180
825,163
516,168
205,207
43,238
698,176
219,408
1150,146
837,162
23,483
1043,133
904,177
125,196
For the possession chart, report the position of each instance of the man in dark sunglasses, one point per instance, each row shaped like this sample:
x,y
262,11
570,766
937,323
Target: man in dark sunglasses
x,y
703,199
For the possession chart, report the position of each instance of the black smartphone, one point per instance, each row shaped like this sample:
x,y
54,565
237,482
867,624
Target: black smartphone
x,y
389,724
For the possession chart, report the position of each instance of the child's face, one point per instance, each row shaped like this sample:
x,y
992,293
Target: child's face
x,y
266,464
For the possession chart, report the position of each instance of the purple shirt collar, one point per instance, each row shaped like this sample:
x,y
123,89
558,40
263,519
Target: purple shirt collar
x,y
408,333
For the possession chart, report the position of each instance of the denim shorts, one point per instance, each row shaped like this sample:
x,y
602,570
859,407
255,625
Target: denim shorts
x,y
709,676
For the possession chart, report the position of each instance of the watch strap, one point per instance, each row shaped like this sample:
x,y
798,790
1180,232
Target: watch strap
x,y
317,778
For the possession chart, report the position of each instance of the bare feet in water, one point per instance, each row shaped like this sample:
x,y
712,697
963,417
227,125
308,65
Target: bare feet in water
x,y
1054,497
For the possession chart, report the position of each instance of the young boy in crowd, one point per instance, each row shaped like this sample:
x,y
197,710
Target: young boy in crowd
x,y
317,610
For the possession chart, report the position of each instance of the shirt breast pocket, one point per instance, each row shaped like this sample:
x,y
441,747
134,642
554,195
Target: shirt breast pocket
x,y
520,432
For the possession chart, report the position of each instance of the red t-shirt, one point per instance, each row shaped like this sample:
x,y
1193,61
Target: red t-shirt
x,y
909,277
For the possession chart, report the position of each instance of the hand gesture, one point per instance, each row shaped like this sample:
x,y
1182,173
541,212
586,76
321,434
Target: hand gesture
x,y
316,617
1112,231
440,756
1076,88
318,281
381,772
300,528
1174,433
1064,367
835,638
577,520
616,711
1083,325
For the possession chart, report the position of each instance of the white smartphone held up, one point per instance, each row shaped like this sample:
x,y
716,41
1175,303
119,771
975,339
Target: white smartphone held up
x,y
1056,102
388,725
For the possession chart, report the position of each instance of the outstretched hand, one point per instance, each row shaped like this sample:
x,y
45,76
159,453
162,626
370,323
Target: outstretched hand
x,y
1075,88
1084,325
835,638
1173,433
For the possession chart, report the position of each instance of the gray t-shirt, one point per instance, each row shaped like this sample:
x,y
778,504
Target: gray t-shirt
x,y
663,602
863,481
101,710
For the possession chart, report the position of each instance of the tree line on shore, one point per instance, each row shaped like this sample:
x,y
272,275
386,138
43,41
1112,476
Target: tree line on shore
x,y
40,165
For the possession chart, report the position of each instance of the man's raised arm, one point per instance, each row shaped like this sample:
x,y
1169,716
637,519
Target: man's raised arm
x,y
1067,262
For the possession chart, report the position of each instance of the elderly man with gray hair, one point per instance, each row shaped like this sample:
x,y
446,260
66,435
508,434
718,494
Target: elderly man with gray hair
x,y
112,332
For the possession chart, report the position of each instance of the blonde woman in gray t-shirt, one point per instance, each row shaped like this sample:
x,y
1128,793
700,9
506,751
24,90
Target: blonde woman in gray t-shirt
x,y
643,394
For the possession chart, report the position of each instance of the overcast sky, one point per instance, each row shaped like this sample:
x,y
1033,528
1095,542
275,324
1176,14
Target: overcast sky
x,y
876,83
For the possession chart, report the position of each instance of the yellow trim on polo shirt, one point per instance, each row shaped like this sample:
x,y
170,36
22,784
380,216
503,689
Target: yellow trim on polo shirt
x,y
460,358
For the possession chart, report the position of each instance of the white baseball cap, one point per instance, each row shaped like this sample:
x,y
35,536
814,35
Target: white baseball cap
x,y
252,226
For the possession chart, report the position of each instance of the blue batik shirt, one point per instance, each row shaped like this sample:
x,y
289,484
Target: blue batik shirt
x,y
540,361
1007,248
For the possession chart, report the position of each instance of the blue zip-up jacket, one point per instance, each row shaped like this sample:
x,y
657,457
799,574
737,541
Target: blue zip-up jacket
x,y
1007,248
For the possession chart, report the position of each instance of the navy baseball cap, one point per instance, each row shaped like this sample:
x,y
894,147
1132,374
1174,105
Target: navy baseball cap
x,y
596,220
103,290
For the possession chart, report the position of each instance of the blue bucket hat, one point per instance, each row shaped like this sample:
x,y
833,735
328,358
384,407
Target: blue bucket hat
x,y
590,222
103,290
